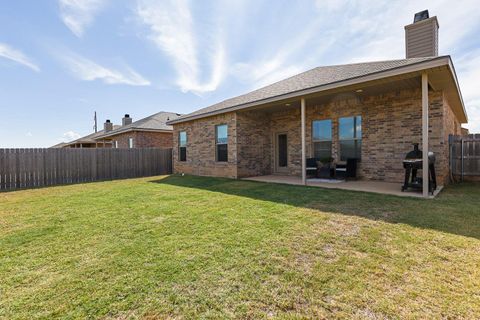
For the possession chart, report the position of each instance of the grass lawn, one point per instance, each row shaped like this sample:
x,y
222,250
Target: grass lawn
x,y
191,247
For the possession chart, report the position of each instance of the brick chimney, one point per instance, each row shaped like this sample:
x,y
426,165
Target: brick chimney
x,y
421,37
126,120
107,126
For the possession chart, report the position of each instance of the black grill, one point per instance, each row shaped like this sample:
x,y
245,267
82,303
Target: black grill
x,y
412,163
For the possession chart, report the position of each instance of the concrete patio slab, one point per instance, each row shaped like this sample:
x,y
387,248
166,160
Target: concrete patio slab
x,y
354,185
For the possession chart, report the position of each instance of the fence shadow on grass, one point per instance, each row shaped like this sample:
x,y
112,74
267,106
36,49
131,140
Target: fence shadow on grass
x,y
455,210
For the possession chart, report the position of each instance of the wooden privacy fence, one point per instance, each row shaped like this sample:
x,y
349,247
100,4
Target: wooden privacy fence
x,y
465,155
29,168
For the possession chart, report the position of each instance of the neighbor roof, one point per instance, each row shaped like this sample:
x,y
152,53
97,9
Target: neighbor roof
x,y
90,138
319,78
59,145
155,122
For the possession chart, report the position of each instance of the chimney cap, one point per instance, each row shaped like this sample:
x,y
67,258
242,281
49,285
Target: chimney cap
x,y
422,15
127,115
108,121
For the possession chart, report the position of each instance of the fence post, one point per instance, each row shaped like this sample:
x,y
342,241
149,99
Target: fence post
x,y
462,159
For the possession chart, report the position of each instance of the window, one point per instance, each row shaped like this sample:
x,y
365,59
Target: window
x,y
350,134
115,144
130,142
322,139
221,137
182,145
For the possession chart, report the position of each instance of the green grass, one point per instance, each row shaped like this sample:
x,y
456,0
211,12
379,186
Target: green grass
x,y
190,247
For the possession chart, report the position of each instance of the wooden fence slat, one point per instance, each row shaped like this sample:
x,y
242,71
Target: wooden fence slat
x,y
8,171
2,170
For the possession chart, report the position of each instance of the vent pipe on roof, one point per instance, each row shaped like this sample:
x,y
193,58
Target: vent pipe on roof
x,y
421,37
108,126
126,120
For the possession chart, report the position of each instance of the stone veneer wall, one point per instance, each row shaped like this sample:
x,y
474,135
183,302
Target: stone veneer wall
x,y
391,123
201,147
145,139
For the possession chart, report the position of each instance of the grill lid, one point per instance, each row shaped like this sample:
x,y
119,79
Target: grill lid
x,y
415,153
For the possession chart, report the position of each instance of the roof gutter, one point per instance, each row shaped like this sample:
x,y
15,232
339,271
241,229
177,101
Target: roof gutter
x,y
414,67
455,79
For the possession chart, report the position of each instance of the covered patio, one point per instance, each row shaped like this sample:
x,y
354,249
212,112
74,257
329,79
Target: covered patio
x,y
386,115
390,188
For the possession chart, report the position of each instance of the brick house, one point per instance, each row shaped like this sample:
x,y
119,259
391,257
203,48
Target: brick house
x,y
372,111
149,132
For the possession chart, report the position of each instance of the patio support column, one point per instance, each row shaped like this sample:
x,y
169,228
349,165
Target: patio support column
x,y
425,173
304,158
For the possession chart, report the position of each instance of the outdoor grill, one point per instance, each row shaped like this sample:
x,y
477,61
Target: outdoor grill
x,y
414,162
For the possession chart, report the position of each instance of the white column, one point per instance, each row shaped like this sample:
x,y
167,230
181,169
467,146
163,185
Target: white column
x,y
425,173
304,158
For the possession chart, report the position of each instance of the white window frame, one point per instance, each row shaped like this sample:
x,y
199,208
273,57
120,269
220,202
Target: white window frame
x,y
180,145
218,144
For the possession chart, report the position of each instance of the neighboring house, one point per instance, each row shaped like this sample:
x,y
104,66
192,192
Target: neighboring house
x,y
372,111
149,132
92,140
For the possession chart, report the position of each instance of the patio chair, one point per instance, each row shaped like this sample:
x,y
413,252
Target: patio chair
x,y
346,170
325,169
311,166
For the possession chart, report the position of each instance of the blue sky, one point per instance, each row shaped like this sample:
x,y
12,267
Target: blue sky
x,y
61,60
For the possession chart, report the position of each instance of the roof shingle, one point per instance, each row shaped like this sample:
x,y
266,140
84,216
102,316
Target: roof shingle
x,y
309,79
157,121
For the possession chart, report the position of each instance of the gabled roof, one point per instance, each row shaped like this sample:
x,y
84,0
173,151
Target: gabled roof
x,y
155,122
90,138
317,79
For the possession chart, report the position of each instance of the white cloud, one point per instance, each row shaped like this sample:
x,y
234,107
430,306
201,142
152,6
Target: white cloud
x,y
28,134
171,28
289,59
79,14
70,136
87,70
468,71
16,55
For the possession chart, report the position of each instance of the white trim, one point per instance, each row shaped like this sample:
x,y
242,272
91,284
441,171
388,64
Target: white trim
x,y
425,173
278,169
455,79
